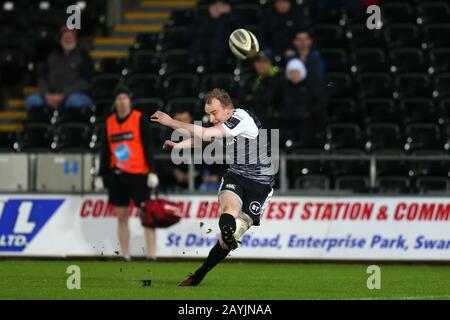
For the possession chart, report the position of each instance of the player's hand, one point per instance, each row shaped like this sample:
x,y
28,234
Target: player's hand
x,y
169,145
98,184
152,180
161,118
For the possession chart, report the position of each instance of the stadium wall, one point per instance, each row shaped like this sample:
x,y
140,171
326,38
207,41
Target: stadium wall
x,y
297,228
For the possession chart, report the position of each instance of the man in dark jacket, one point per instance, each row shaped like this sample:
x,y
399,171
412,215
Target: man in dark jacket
x,y
279,25
208,35
65,80
303,49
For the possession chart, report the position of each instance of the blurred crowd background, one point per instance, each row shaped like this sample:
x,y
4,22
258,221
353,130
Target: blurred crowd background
x,y
340,93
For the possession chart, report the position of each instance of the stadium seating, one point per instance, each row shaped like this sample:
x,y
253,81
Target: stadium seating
x,y
312,182
388,90
393,185
72,137
35,137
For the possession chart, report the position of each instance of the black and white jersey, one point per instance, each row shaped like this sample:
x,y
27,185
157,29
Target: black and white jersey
x,y
250,148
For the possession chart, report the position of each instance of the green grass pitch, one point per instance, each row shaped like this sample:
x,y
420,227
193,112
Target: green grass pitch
x,y
237,281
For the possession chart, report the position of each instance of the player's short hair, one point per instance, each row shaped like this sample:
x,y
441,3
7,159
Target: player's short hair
x,y
219,94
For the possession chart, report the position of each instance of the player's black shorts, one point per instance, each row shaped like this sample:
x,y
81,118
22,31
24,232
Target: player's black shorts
x,y
254,196
124,187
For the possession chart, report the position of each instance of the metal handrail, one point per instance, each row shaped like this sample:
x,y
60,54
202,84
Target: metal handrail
x,y
283,158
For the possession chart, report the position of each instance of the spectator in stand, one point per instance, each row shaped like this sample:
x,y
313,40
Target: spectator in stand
x,y
303,103
279,24
303,49
208,35
65,80
259,92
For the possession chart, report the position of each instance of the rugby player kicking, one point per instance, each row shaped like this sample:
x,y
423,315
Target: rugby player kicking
x,y
246,187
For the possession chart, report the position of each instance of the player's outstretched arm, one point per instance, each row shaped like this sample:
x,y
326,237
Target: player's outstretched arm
x,y
205,134
185,144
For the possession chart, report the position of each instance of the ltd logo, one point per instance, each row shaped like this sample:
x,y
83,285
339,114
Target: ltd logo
x,y
22,219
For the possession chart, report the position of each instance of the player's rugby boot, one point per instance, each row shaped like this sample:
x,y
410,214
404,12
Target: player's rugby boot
x,y
228,238
191,281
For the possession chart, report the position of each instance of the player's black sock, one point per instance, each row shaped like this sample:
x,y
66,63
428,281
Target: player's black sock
x,y
216,255
227,219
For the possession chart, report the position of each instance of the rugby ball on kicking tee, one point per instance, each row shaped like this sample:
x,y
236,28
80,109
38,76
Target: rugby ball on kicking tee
x,y
243,44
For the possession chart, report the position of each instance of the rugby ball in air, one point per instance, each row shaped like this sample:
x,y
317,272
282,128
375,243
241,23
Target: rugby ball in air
x,y
243,44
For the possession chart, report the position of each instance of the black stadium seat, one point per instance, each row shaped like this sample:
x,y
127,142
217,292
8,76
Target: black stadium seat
x,y
374,85
420,110
181,85
341,110
442,86
103,107
77,115
413,85
312,182
430,167
407,60
433,12
146,41
220,80
398,12
145,86
432,184
181,18
12,66
193,105
382,110
172,39
423,136
44,39
14,14
328,36
72,136
336,60
103,85
384,136
356,184
402,35
393,184
176,61
440,60
346,167
436,35
339,85
6,141
394,166
12,37
368,60
248,14
113,65
358,36
344,136
35,137
148,106
144,62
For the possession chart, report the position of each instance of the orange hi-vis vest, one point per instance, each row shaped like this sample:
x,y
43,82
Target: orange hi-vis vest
x,y
125,143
